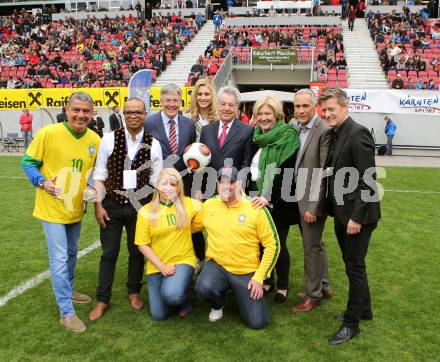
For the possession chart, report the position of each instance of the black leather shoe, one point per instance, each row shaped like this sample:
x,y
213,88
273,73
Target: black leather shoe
x,y
344,335
268,291
365,317
280,298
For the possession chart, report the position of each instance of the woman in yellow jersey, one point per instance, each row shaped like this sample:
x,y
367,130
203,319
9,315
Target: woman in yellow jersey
x,y
163,235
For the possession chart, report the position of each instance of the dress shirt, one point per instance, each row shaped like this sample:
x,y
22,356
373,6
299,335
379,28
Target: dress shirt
x,y
220,128
303,134
106,149
166,124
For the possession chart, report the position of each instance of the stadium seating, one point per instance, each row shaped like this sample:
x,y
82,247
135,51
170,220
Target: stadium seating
x,y
409,48
240,40
87,53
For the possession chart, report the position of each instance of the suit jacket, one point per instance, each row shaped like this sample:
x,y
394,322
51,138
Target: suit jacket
x,y
237,146
187,134
311,190
354,148
115,123
97,125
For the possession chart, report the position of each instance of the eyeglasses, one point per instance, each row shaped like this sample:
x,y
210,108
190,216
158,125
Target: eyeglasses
x,y
134,113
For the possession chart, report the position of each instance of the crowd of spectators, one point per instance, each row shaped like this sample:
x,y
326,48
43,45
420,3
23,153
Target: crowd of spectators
x,y
36,52
327,40
409,48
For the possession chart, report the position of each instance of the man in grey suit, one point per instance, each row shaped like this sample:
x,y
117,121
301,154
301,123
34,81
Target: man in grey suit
x,y
173,131
310,189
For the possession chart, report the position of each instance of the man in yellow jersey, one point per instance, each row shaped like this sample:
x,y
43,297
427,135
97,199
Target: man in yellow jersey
x,y
233,254
59,162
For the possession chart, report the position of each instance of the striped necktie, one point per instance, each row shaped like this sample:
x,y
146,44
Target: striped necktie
x,y
172,136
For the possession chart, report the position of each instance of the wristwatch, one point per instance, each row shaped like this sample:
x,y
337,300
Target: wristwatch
x,y
41,184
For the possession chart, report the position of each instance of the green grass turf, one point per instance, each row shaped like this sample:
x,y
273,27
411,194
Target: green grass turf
x,y
403,272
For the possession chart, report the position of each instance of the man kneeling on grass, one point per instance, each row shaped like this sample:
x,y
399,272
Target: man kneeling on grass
x,y
236,231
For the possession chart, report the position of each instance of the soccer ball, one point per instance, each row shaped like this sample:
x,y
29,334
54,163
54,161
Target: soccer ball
x,y
196,156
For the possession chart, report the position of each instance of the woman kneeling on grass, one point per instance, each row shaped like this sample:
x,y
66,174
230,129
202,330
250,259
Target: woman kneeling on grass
x,y
163,235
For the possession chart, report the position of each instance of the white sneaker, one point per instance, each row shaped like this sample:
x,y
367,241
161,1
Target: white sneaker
x,y
215,315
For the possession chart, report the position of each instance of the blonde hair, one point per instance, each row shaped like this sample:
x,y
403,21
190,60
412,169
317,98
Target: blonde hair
x,y
271,102
182,220
194,108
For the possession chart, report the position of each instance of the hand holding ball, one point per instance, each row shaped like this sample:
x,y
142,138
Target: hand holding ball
x,y
196,156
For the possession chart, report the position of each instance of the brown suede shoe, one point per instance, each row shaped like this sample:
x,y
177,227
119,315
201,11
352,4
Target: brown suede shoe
x,y
73,323
135,301
306,305
98,311
80,298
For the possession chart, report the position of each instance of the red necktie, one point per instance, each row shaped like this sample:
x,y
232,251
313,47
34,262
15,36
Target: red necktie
x,y
172,137
223,135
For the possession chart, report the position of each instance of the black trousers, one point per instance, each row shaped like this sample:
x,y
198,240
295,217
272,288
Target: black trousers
x,y
354,250
120,216
199,245
282,266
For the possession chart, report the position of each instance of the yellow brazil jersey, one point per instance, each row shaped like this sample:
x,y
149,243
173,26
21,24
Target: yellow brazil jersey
x,y
60,152
235,235
170,244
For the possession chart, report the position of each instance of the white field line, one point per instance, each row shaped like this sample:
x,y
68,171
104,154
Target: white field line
x,y
13,177
39,278
414,191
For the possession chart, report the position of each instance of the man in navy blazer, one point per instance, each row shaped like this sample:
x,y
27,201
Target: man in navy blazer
x,y
159,126
229,139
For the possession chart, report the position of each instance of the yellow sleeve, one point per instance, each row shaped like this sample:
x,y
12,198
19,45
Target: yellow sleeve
x,y
38,145
268,235
142,235
196,217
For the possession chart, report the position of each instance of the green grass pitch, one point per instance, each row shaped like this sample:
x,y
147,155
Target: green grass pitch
x,y
403,266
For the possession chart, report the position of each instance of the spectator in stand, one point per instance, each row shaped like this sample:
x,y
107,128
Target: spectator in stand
x,y
435,64
351,17
26,127
217,20
430,85
397,83
342,63
410,84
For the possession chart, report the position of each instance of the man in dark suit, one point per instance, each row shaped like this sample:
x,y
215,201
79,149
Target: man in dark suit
x,y
116,119
229,139
353,201
97,125
315,141
172,130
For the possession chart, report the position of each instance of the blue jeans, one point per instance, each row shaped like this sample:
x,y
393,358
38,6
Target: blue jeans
x,y
166,294
390,145
62,247
213,283
27,135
